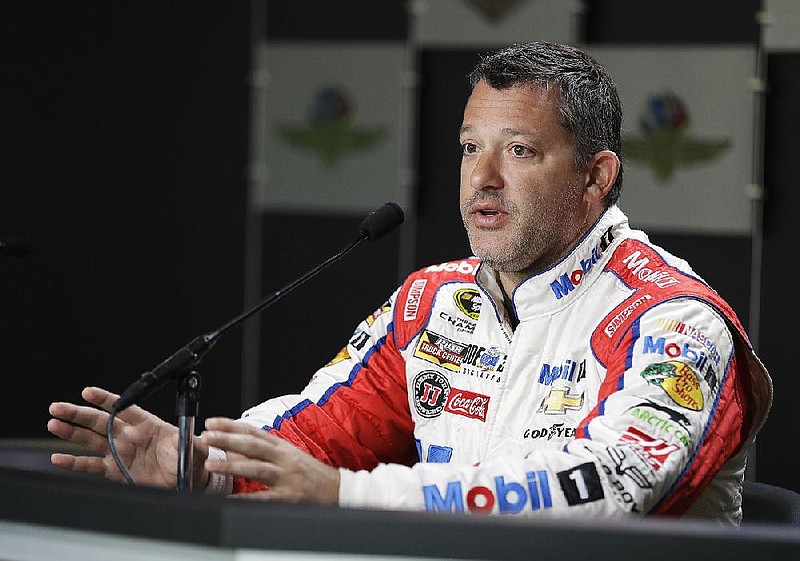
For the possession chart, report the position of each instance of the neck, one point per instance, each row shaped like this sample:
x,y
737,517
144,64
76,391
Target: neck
x,y
510,281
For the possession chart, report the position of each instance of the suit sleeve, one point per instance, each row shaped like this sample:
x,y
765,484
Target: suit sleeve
x,y
354,411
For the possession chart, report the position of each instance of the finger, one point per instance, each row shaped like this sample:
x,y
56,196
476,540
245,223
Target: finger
x,y
226,425
272,494
258,470
81,436
105,399
81,415
230,425
84,464
248,445
99,397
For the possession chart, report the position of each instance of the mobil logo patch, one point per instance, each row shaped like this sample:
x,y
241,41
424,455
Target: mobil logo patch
x,y
509,496
696,357
570,370
567,282
463,267
659,345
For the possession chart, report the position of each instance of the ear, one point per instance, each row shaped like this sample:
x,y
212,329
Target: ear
x,y
602,172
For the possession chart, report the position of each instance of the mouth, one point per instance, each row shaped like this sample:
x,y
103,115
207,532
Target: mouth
x,y
488,214
487,209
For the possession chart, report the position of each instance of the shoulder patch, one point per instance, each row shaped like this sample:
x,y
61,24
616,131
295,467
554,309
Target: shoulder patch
x,y
416,296
653,281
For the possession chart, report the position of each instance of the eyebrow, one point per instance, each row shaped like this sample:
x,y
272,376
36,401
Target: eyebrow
x,y
514,132
506,131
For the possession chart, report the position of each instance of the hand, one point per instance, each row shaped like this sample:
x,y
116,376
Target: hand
x,y
291,474
147,445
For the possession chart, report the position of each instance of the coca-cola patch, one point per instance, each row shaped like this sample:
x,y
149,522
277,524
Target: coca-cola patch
x,y
468,404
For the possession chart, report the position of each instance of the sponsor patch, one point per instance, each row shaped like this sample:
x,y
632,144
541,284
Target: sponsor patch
x,y
558,400
629,464
467,404
624,314
509,496
340,356
698,359
694,333
663,420
411,307
678,380
440,350
570,371
491,359
459,324
359,339
464,267
581,484
431,390
638,267
556,430
567,282
652,450
468,300
385,307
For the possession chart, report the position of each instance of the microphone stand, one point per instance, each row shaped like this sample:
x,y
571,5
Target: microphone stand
x,y
186,408
180,366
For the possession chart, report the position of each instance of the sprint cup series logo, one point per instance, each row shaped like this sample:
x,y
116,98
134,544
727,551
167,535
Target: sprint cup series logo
x,y
468,300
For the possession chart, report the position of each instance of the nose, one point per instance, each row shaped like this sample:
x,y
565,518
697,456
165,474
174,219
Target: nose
x,y
487,173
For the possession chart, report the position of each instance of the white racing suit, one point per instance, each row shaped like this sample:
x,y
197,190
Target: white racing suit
x,y
626,387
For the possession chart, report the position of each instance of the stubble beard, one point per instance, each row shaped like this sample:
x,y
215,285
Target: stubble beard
x,y
530,242
511,250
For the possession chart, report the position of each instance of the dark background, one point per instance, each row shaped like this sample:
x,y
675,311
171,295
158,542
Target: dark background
x,y
125,164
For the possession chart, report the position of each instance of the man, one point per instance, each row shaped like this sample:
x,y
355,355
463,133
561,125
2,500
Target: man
x,y
571,368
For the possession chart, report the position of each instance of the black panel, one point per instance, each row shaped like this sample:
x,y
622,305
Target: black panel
x,y
342,20
780,304
306,328
125,170
444,90
677,21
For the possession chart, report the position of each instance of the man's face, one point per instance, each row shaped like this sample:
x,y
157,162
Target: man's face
x,y
521,196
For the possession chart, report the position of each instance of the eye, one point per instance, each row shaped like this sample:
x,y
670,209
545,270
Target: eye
x,y
521,150
468,148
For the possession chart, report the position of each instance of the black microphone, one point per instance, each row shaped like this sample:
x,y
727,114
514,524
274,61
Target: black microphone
x,y
14,247
376,224
379,222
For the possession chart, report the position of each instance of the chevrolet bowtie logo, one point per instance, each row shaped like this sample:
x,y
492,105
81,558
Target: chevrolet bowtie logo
x,y
558,401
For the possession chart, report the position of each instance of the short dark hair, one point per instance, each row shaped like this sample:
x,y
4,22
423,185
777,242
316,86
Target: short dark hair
x,y
589,105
